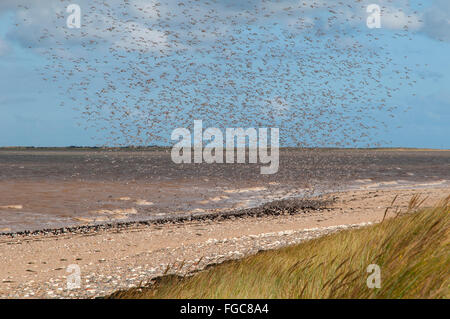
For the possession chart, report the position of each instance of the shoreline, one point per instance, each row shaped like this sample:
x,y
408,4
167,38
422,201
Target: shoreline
x,y
268,207
56,190
120,258
272,208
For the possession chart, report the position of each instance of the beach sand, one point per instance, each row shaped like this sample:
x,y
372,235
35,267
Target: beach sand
x,y
118,258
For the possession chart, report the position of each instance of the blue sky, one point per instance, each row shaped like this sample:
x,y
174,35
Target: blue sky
x,y
31,114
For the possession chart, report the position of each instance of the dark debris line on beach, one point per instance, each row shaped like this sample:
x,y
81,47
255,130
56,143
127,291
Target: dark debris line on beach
x,y
274,208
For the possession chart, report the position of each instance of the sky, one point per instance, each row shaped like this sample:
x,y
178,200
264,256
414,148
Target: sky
x,y
37,112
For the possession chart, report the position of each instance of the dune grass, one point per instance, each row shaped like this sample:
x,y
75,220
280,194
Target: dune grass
x,y
412,251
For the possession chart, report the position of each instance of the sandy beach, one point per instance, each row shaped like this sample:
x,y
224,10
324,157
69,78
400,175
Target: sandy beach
x,y
123,257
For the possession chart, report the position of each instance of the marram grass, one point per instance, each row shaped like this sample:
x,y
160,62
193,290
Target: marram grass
x,y
412,251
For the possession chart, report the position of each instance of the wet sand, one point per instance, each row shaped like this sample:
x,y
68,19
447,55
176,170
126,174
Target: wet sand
x,y
124,257
43,189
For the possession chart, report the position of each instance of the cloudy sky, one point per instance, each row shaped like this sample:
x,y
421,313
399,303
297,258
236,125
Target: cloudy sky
x,y
37,111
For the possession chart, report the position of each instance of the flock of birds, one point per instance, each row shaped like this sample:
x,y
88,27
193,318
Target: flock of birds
x,y
136,70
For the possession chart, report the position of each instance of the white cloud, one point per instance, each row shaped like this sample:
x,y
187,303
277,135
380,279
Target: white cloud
x,y
149,24
397,19
42,24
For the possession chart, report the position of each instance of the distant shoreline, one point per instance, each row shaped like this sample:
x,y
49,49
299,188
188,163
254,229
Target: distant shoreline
x,y
166,148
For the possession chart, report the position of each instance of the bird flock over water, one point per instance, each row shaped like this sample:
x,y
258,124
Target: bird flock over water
x,y
136,70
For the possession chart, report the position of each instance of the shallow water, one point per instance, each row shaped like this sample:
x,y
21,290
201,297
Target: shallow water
x,y
48,189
